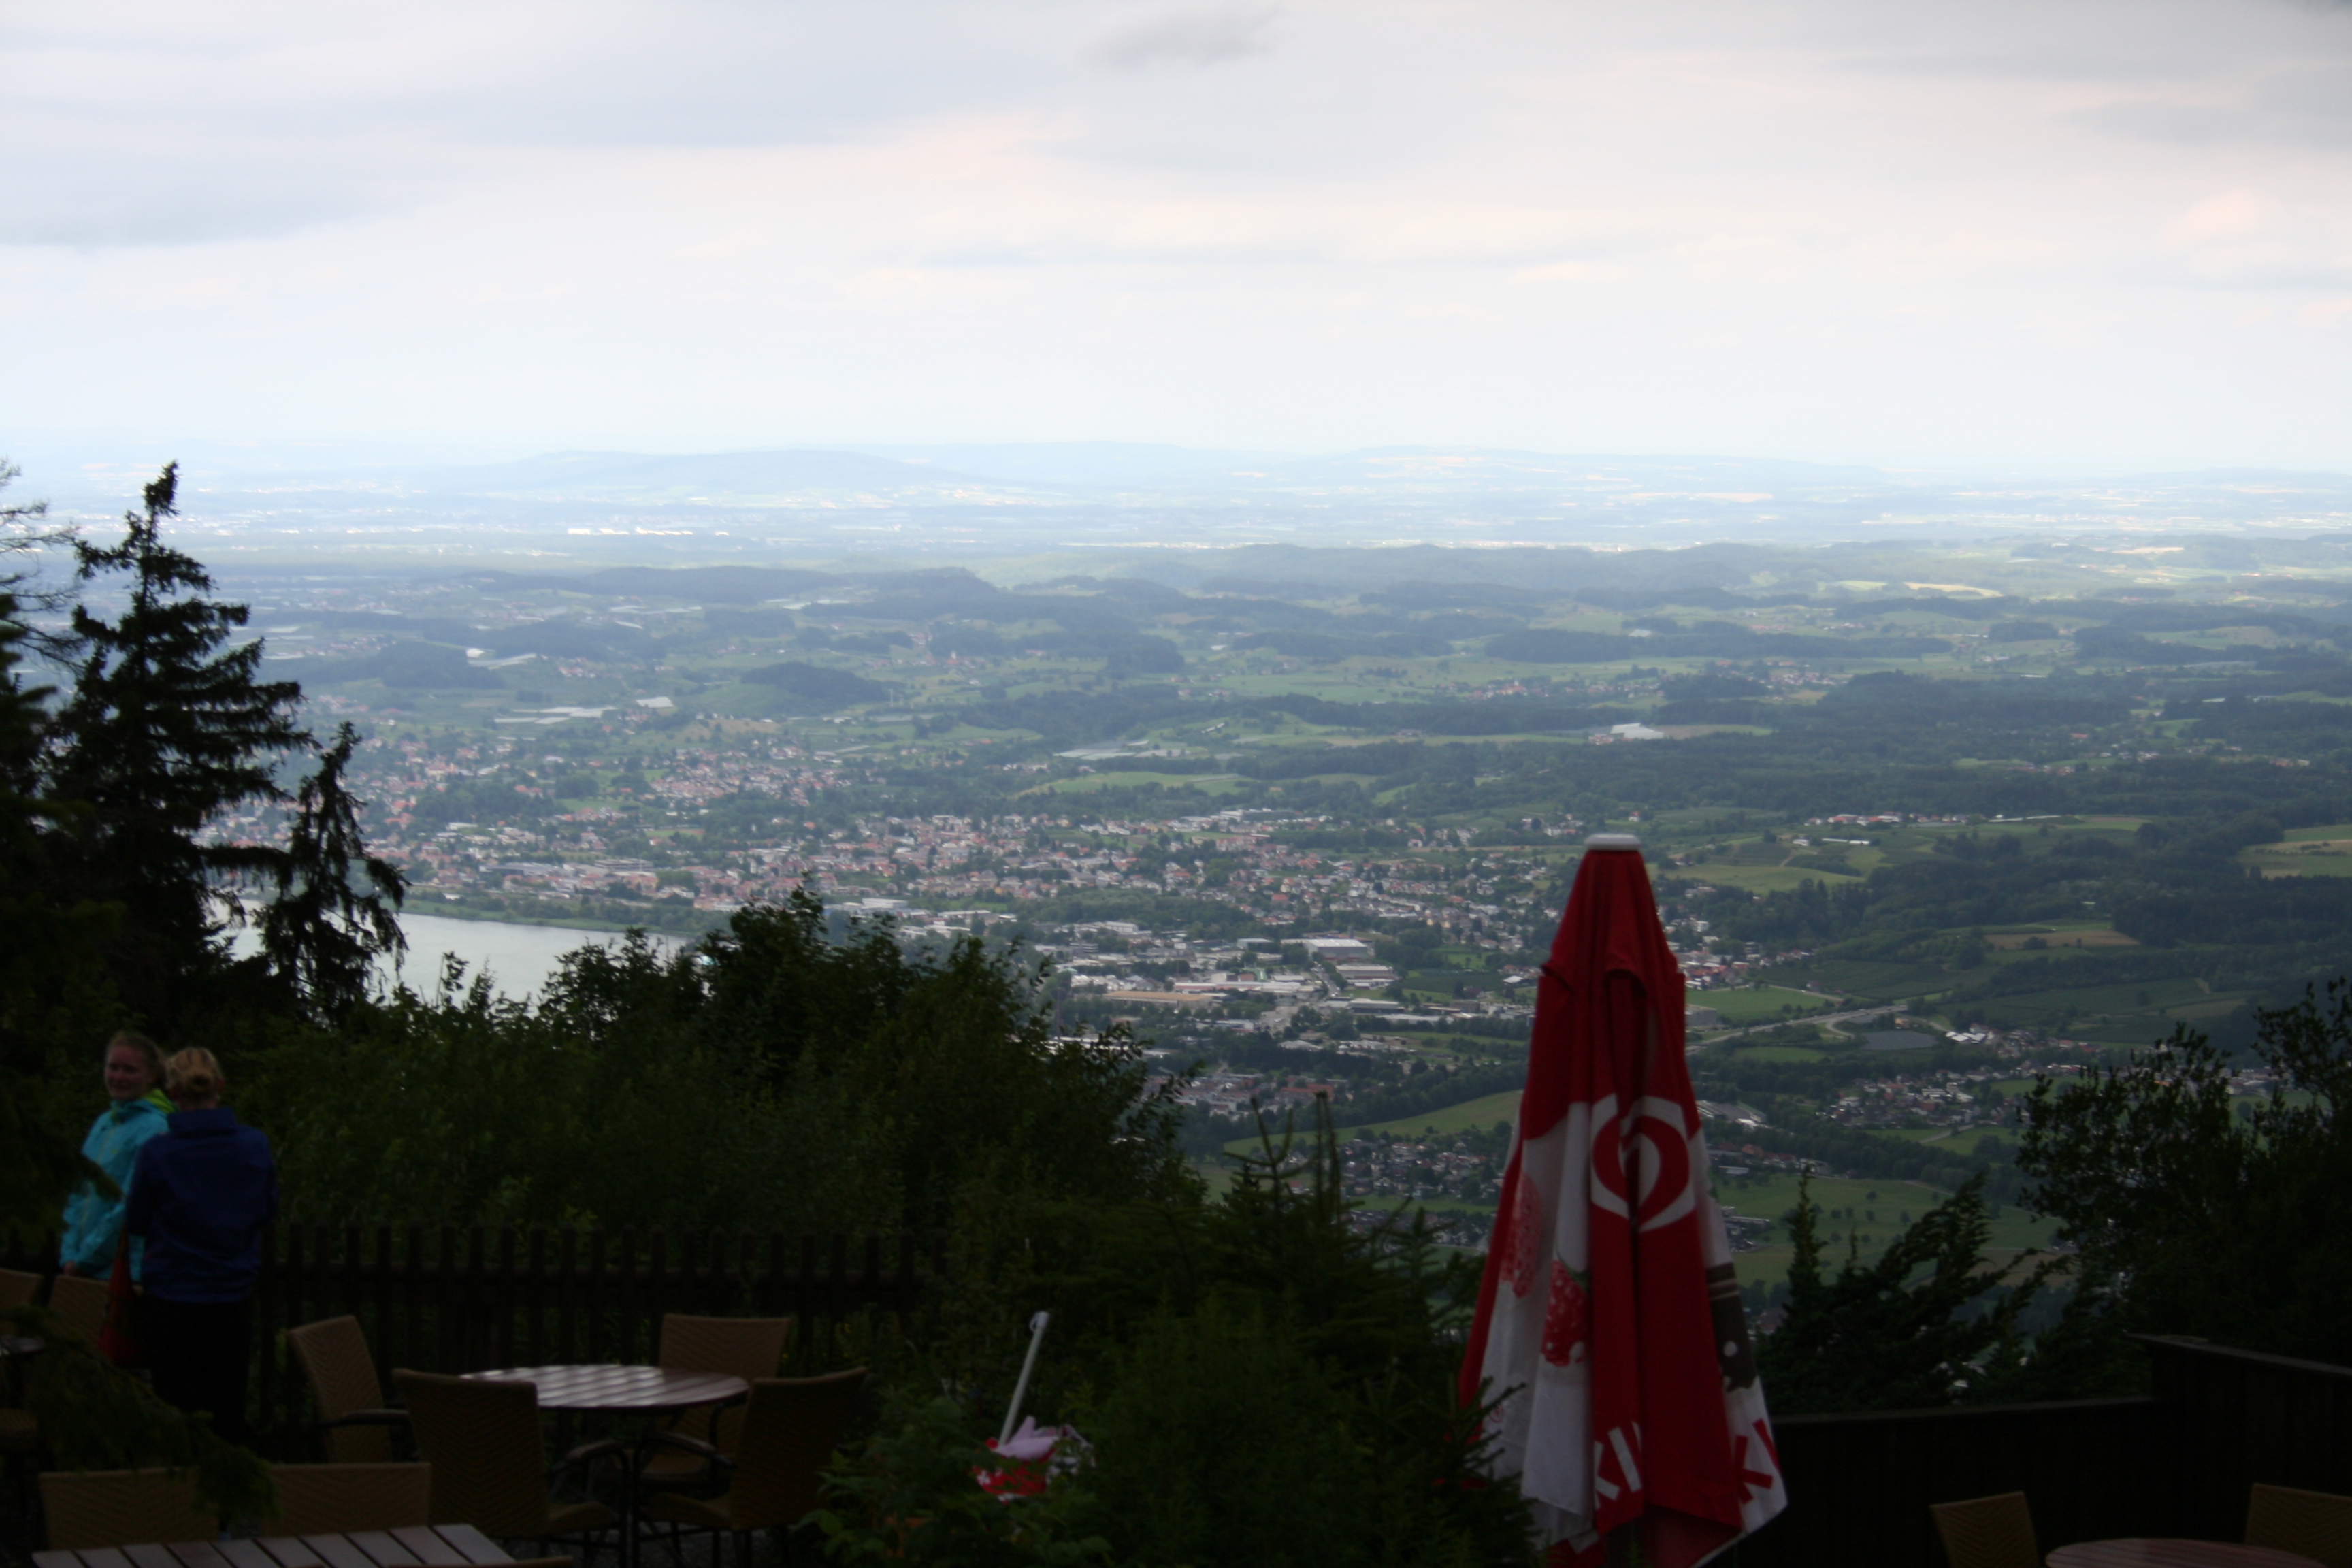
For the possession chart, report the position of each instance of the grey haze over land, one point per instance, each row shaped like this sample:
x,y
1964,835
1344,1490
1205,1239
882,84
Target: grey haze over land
x,y
2000,234
1005,501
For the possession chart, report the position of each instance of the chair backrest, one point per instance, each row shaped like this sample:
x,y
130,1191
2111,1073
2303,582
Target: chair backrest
x,y
748,1348
1987,1532
80,1302
2318,1525
334,1356
482,1439
790,1428
122,1508
336,1499
17,1288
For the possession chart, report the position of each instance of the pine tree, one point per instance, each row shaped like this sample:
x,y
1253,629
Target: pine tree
x,y
1928,1322
321,934
48,934
168,725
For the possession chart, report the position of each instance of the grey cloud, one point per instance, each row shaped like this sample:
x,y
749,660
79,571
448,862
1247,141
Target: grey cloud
x,y
2274,113
1190,37
2175,123
101,195
161,218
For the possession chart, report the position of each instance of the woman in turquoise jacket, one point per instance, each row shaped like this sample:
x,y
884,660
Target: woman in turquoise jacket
x,y
134,1081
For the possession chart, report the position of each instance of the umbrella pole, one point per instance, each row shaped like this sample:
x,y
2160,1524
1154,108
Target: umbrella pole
x,y
1020,1388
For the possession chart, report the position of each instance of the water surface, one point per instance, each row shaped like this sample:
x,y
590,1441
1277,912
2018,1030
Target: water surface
x,y
519,958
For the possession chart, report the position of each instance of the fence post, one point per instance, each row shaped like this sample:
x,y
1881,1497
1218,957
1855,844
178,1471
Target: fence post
x,y
632,1299
502,1313
658,1291
477,1329
444,1291
535,1305
869,1287
836,1293
383,1329
414,1296
353,1259
599,1307
805,1301
745,1261
567,1296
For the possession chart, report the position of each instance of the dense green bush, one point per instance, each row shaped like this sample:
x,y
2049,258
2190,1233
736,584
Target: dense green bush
x,y
767,1076
1265,1380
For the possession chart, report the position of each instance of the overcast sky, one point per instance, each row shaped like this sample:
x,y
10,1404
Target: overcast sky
x,y
1887,231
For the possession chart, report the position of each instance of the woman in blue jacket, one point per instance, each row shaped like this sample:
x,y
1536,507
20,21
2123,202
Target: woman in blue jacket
x,y
134,1082
200,1195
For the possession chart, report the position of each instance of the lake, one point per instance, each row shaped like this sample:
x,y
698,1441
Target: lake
x,y
518,957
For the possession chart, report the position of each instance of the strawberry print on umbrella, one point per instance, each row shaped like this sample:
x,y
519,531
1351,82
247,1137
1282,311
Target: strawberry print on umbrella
x,y
1565,1337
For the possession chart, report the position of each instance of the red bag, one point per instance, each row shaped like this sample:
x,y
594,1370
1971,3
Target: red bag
x,y
118,1339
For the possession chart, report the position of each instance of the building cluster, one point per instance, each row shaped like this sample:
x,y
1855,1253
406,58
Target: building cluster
x,y
719,828
1460,1170
1235,1094
1930,1097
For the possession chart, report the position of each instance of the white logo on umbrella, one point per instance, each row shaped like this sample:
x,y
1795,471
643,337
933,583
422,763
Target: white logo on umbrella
x,y
1652,1139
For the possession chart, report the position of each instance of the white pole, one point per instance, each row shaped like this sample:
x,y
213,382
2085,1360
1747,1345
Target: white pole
x,y
1021,1389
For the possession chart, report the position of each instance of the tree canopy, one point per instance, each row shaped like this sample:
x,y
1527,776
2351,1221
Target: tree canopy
x,y
2212,1214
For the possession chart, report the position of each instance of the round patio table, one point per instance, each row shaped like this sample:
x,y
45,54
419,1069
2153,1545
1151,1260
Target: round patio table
x,y
621,1390
614,1390
2159,1554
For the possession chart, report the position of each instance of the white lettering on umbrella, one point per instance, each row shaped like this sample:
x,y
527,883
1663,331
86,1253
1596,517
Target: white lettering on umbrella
x,y
1629,1468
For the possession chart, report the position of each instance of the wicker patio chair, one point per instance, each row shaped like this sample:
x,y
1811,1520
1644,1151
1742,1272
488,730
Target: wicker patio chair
x,y
17,1288
81,1303
482,1438
748,1348
1987,1532
122,1508
355,1425
2318,1525
20,1435
336,1499
790,1428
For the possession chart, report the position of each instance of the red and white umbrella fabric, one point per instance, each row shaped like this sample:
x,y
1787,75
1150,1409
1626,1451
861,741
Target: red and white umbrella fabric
x,y
1609,1320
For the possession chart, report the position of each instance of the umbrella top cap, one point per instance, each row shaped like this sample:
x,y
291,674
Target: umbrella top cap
x,y
1613,841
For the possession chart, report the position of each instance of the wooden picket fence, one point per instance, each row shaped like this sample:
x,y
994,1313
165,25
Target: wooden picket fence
x,y
457,1299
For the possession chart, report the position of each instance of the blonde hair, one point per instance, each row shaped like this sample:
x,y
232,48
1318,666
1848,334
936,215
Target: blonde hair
x,y
194,1072
148,1052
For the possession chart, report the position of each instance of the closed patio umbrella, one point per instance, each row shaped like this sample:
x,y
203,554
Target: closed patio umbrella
x,y
1608,1319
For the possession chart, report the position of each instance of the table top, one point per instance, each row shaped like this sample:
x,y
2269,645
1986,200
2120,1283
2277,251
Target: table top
x,y
618,1388
2154,1553
439,1546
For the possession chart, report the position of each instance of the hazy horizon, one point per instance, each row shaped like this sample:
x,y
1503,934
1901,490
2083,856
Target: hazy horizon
x,y
1016,503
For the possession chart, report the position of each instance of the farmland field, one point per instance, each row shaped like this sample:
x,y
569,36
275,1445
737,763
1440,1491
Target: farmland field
x,y
1757,1004
1771,1196
1767,879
